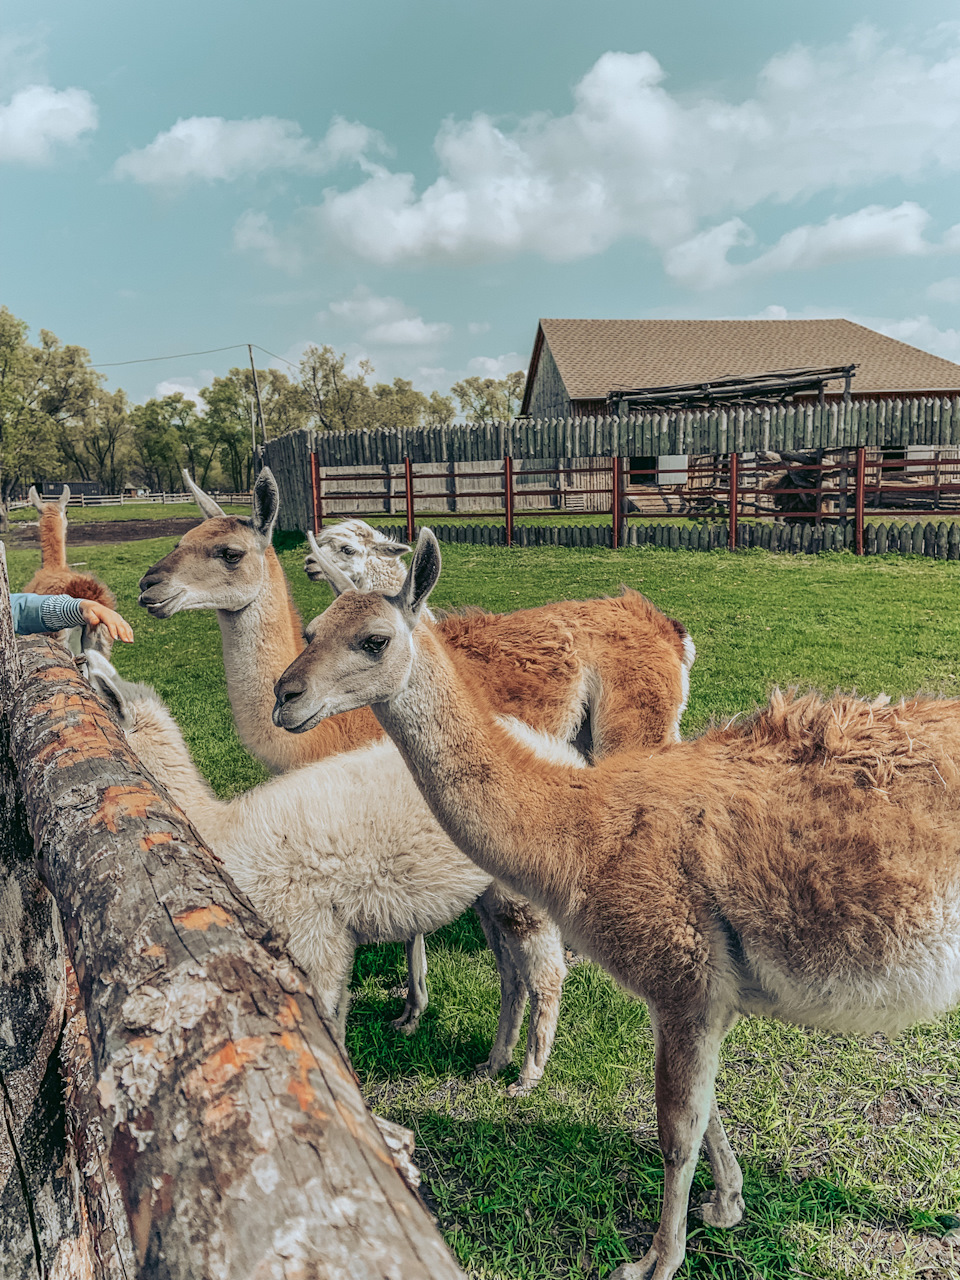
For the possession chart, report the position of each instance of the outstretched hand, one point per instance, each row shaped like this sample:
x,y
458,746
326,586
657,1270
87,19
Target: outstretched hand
x,y
96,614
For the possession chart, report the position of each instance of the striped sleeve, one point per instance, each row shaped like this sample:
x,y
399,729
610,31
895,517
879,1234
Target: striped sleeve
x,y
57,612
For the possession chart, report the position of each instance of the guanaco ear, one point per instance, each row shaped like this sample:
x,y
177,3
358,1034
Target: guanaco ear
x,y
64,499
35,498
422,578
391,548
209,509
330,569
103,679
266,504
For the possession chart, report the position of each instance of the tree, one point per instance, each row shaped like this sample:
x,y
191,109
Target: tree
x,y
440,411
286,404
229,424
45,390
490,400
99,447
339,401
157,443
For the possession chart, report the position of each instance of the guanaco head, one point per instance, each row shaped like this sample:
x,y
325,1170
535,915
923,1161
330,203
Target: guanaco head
x,y
360,650
222,563
368,557
43,507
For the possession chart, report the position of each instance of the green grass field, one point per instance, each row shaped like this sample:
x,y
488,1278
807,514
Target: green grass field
x,y
850,1149
129,511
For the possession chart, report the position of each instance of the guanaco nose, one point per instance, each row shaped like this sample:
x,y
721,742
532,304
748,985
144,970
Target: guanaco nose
x,y
288,691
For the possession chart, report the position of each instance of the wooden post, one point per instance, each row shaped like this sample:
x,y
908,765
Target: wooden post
x,y
315,493
734,497
408,479
616,499
858,500
508,495
232,1120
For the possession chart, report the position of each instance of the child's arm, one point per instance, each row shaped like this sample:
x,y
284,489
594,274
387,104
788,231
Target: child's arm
x,y
35,613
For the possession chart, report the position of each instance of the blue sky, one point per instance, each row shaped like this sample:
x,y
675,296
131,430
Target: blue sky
x,y
415,182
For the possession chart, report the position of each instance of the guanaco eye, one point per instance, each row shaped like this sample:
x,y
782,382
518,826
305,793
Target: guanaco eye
x,y
232,556
374,644
347,551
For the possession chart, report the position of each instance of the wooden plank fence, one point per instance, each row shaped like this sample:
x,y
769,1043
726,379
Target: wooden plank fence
x,y
315,469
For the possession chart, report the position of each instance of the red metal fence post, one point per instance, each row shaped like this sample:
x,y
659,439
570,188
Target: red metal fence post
x,y
315,493
508,495
858,501
616,505
408,475
734,496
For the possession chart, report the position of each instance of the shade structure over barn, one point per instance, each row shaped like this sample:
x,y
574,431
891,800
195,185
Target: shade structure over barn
x,y
583,367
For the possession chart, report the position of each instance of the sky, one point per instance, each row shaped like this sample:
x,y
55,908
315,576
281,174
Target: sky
x,y
416,182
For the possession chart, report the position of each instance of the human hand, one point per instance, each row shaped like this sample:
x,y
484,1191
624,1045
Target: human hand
x,y
96,614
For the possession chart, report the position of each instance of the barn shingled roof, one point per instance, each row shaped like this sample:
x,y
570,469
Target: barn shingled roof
x,y
595,357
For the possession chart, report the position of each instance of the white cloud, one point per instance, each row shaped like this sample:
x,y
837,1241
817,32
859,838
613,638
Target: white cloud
x,y
388,321
412,331
919,331
871,232
212,149
496,366
946,290
477,327
254,233
38,118
633,160
187,387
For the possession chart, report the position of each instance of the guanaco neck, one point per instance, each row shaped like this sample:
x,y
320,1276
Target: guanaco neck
x,y
53,539
160,745
259,643
512,813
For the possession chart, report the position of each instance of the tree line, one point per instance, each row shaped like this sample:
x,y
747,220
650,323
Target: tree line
x,y
58,420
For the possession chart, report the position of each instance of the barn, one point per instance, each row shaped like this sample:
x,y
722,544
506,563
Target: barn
x,y
587,368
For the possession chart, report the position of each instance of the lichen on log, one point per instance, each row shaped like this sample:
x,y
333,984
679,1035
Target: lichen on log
x,y
231,1119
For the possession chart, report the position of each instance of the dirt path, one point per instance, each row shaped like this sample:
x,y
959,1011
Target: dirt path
x,y
26,536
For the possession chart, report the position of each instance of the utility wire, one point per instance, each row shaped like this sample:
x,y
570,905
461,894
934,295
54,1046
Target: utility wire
x,y
274,356
114,364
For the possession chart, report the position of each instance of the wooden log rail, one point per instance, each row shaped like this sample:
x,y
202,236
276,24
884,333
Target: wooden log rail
x,y
231,1120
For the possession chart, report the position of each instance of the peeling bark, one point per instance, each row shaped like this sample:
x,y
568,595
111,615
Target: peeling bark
x,y
231,1120
43,1232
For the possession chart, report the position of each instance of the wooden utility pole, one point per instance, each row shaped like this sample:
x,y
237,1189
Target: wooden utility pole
x,y
256,390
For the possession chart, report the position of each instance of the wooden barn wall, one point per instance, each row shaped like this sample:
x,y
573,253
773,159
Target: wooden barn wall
x,y
548,396
933,421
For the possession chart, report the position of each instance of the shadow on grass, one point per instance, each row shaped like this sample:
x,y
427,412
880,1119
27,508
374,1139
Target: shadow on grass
x,y
376,1047
524,1201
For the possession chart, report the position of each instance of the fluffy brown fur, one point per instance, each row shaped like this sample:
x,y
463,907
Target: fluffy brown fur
x,y
802,863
